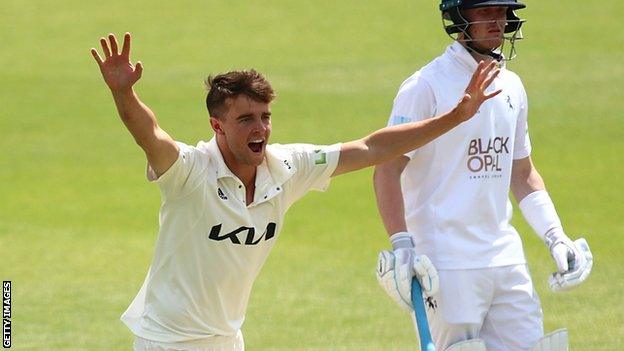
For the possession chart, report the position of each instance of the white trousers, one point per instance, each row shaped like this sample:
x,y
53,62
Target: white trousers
x,y
498,305
214,343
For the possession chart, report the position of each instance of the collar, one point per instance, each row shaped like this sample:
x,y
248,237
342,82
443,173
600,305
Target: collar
x,y
458,53
216,158
271,174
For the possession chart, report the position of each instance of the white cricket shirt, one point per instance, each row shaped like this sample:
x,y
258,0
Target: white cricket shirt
x,y
211,245
456,188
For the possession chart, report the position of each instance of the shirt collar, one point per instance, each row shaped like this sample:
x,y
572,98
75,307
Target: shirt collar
x,y
271,174
460,54
277,168
216,158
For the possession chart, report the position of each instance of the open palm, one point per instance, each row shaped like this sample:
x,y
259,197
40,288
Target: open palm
x,y
117,70
475,94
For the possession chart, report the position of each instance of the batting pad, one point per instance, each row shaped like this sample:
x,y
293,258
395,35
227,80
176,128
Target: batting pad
x,y
555,341
468,345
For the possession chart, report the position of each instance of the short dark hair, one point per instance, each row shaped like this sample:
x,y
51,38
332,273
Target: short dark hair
x,y
233,83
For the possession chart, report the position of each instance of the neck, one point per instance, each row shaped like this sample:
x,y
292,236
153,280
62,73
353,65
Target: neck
x,y
480,57
478,54
246,173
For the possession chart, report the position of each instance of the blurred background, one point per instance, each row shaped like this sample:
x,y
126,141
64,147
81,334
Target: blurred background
x,y
78,221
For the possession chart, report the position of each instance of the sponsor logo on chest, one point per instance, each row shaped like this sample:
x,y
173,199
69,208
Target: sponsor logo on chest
x,y
484,155
248,233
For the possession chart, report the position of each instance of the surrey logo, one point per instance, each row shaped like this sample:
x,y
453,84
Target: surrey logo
x,y
221,194
250,239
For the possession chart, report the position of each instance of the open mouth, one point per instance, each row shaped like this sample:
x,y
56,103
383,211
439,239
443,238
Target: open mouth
x,y
256,145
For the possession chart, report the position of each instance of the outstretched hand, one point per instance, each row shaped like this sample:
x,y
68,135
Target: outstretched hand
x,y
117,70
475,94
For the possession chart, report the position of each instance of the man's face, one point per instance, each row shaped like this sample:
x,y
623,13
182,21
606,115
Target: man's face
x,y
246,127
488,34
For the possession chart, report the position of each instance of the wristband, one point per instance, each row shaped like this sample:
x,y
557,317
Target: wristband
x,y
401,240
539,211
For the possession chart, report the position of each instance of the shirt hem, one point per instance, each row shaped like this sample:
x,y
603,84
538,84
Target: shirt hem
x,y
171,337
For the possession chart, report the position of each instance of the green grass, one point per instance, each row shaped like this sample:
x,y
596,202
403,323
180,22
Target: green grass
x,y
78,221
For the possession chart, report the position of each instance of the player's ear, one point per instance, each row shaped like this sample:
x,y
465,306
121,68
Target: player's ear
x,y
215,123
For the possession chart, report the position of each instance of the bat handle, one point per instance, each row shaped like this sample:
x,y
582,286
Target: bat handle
x,y
426,343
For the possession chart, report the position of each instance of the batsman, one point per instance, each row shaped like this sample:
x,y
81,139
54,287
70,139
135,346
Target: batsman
x,y
446,205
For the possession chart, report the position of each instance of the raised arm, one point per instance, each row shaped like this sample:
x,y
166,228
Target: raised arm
x,y
390,142
120,75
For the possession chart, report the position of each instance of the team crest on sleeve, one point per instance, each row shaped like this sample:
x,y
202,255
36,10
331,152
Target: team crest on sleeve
x,y
400,120
320,157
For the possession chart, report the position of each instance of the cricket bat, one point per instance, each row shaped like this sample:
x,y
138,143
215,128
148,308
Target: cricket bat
x,y
426,344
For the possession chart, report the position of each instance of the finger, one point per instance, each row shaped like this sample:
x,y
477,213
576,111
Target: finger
x,y
490,79
96,56
487,68
105,48
435,282
432,279
482,73
560,255
125,51
113,42
491,95
492,65
138,69
475,76
426,273
574,259
423,277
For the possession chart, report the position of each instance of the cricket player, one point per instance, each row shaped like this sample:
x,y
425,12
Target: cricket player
x,y
224,201
447,202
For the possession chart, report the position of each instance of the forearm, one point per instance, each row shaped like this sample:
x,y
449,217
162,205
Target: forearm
x,y
387,182
136,116
390,206
120,76
525,179
390,142
534,202
573,259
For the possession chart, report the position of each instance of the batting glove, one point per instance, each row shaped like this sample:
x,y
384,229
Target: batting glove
x,y
396,268
574,260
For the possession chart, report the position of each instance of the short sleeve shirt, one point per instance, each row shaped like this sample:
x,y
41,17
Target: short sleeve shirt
x,y
211,244
456,187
